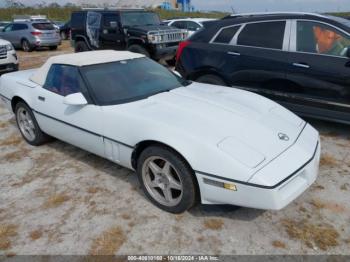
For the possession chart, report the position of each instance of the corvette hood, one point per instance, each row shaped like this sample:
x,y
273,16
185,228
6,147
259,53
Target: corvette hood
x,y
248,127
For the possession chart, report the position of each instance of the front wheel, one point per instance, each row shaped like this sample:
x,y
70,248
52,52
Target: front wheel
x,y
166,179
28,125
53,47
81,46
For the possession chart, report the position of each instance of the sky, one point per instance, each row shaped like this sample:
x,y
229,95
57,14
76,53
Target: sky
x,y
247,5
273,5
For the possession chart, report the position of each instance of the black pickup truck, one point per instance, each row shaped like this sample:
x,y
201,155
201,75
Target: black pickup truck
x,y
138,31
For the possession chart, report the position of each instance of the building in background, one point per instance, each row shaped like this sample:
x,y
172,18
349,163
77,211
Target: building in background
x,y
185,5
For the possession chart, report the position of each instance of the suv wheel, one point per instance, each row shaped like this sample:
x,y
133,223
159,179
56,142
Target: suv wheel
x,y
28,125
138,49
166,179
26,46
211,79
53,47
81,46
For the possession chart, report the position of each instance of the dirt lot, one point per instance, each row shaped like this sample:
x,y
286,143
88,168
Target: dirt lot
x,y
58,199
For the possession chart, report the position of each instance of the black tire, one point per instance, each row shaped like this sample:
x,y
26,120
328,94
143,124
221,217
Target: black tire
x,y
40,136
81,46
63,35
188,197
211,79
53,47
139,49
26,47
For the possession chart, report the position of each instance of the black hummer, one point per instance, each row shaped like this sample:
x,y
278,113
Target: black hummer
x,y
138,31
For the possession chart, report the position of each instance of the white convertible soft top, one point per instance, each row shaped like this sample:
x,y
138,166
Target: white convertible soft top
x,y
82,59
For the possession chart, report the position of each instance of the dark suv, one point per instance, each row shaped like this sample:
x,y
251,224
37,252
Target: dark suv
x,y
298,59
138,31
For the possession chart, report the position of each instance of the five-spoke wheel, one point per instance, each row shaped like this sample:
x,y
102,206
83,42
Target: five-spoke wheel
x,y
166,179
28,126
162,181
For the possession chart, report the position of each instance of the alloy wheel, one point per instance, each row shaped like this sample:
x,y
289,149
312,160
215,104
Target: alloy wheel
x,y
26,124
162,181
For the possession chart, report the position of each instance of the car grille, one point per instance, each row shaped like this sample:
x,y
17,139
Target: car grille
x,y
3,52
168,36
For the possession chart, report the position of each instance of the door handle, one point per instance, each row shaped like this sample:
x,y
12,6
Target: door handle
x,y
234,53
301,65
41,98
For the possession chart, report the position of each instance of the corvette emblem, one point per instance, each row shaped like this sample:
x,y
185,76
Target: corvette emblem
x,y
283,137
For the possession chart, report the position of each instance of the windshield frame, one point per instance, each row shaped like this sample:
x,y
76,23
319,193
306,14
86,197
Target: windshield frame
x,y
182,83
122,18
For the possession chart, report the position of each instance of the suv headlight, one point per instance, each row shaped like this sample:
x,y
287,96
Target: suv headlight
x,y
154,38
9,47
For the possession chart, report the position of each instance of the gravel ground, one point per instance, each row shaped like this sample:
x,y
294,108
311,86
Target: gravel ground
x,y
58,199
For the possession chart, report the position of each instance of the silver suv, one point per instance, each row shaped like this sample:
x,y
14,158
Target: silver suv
x,y
29,35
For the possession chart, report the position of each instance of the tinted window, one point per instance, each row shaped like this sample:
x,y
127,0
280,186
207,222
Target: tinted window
x,y
43,26
63,80
109,20
111,83
192,26
179,24
267,34
78,20
319,38
17,27
226,35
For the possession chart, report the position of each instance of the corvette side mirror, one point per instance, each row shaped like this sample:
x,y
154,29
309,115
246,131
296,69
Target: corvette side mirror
x,y
76,99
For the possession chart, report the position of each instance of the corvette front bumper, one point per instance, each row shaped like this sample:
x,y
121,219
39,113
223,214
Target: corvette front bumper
x,y
303,157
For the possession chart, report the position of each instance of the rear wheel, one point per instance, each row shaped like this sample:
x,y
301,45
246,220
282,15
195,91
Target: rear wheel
x,y
211,79
81,46
166,179
28,125
138,49
53,47
26,46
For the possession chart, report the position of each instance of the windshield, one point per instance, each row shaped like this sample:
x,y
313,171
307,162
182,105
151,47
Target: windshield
x,y
129,80
139,18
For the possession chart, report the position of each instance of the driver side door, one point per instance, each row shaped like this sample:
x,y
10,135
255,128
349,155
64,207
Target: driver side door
x,y
79,125
319,67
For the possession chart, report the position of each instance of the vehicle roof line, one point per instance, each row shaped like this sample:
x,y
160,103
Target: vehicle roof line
x,y
276,13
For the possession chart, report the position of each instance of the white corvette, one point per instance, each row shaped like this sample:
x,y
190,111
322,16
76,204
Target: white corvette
x,y
187,141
